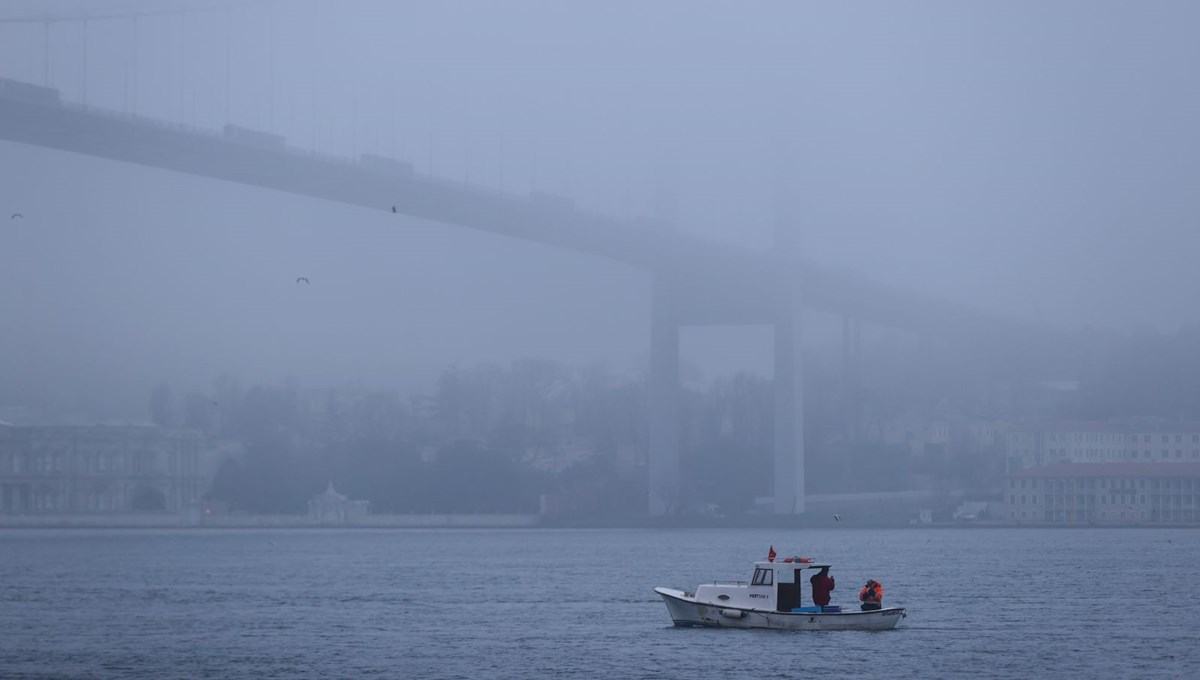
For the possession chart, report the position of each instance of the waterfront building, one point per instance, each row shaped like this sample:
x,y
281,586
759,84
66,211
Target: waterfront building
x,y
1155,492
99,469
331,507
1042,444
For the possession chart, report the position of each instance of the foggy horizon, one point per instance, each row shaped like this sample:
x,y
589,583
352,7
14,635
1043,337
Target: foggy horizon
x,y
1031,160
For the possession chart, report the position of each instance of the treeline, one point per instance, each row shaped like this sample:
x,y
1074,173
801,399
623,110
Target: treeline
x,y
488,439
498,439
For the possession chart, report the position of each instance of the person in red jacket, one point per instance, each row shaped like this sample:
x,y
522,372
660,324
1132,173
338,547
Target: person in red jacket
x,y
822,585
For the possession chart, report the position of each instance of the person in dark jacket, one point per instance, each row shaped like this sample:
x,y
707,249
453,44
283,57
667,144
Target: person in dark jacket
x,y
822,585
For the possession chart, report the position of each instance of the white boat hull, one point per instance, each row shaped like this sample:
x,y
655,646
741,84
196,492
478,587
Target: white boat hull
x,y
687,611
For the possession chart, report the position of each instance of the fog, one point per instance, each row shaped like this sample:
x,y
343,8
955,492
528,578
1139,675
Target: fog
x,y
1036,160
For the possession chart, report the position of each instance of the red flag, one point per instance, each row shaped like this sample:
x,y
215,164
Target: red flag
x,y
771,554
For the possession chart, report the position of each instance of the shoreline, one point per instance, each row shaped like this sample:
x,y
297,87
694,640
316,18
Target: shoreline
x,y
511,521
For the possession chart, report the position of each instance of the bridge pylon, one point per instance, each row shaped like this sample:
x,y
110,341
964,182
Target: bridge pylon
x,y
663,460
675,304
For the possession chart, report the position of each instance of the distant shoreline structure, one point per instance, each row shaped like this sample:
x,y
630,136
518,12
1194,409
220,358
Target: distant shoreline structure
x,y
508,521
298,521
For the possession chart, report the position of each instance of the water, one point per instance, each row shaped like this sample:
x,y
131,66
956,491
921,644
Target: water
x,y
1021,603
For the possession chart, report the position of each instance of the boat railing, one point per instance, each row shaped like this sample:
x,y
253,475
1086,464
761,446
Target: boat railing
x,y
730,583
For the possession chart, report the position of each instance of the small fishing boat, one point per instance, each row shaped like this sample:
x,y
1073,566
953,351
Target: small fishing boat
x,y
774,598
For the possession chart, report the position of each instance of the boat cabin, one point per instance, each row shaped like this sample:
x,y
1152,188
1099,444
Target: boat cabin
x,y
774,586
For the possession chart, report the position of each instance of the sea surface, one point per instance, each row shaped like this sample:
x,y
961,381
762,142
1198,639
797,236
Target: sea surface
x,y
990,603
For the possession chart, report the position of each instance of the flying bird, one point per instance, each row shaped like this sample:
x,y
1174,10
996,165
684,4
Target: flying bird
x,y
302,278
393,208
16,215
837,518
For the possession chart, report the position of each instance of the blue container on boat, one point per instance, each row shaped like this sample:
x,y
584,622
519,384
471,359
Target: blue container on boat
x,y
807,610
831,608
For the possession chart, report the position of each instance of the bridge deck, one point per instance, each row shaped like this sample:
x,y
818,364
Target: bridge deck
x,y
714,282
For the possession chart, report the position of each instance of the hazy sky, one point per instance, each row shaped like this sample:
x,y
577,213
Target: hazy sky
x,y
1036,158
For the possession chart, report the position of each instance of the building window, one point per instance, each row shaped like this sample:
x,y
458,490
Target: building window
x,y
1178,453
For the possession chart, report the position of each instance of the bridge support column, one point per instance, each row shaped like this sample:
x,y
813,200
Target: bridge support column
x,y
664,486
789,410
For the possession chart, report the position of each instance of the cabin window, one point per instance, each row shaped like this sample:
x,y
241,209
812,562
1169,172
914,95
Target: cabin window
x,y
763,577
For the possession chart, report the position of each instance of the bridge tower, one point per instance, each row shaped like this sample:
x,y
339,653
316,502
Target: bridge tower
x,y
789,400
663,391
669,311
679,301
789,355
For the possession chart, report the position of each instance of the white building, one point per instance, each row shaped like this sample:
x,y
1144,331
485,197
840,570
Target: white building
x,y
1042,444
97,469
1152,492
331,507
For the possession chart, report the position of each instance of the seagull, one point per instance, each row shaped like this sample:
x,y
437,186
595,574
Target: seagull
x,y
837,518
393,208
302,278
16,215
